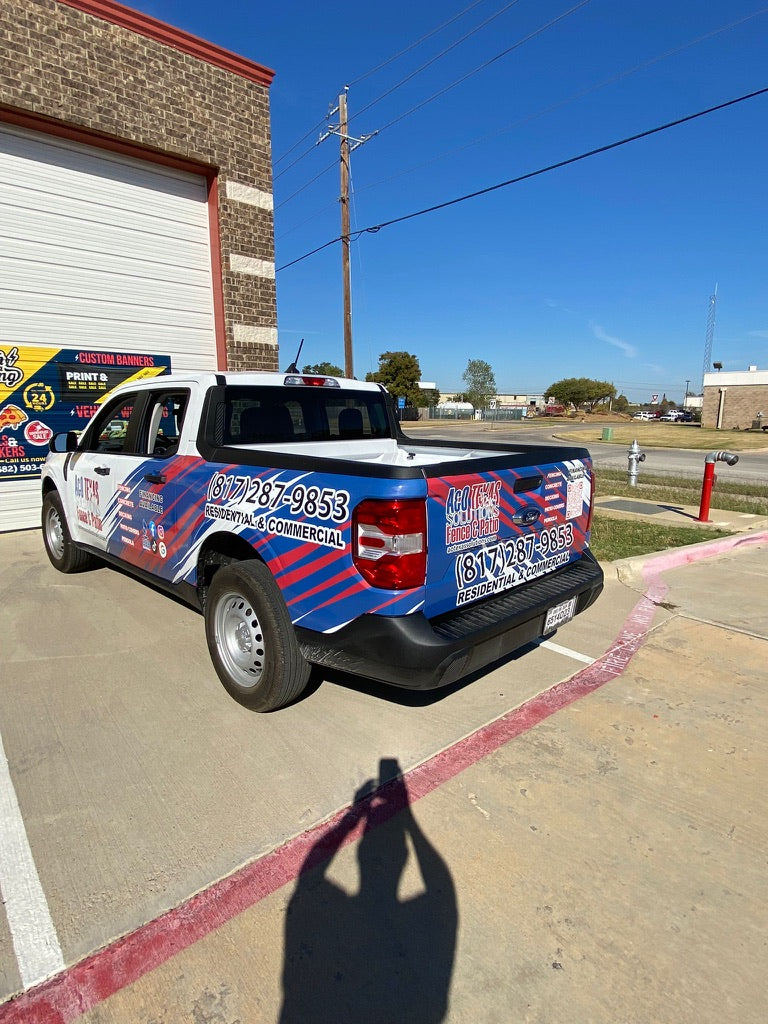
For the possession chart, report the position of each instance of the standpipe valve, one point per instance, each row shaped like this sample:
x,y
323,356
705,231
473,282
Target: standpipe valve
x,y
709,480
634,456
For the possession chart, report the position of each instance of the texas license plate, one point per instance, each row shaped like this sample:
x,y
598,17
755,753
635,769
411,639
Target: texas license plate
x,y
560,614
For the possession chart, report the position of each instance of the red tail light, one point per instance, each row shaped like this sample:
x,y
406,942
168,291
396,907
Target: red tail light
x,y
389,543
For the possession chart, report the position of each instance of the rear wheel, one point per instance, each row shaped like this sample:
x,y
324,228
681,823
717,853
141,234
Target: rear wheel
x,y
251,638
63,554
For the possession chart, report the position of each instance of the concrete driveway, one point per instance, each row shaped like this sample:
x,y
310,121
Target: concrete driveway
x,y
577,835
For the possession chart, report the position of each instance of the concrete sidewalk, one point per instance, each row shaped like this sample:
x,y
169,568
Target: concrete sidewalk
x,y
594,855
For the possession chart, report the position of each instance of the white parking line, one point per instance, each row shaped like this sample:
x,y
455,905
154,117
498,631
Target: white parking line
x,y
35,943
567,652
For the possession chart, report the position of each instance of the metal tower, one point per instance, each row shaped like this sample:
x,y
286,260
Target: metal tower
x,y
710,336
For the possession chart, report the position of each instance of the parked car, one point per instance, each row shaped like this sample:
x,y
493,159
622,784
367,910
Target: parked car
x,y
677,416
643,415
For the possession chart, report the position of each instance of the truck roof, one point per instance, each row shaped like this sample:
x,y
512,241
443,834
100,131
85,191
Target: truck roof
x,y
209,379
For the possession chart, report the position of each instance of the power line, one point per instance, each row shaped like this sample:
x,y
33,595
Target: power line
x,y
570,160
328,167
384,64
570,99
440,92
530,117
438,56
373,229
485,64
418,42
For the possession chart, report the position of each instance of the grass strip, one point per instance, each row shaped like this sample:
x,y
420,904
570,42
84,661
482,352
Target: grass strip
x,y
621,538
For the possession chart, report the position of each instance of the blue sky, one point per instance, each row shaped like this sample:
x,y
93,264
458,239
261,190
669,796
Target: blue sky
x,y
603,268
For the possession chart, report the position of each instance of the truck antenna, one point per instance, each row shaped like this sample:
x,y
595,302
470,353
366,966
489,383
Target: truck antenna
x,y
293,368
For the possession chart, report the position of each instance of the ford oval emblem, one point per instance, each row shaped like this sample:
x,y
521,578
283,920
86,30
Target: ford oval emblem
x,y
526,516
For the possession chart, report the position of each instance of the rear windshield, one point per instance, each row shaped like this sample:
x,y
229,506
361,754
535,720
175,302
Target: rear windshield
x,y
254,415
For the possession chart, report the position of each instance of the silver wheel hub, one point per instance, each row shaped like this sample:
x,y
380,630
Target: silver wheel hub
x,y
55,532
239,639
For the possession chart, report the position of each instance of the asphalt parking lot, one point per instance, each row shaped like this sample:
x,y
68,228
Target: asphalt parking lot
x,y
578,835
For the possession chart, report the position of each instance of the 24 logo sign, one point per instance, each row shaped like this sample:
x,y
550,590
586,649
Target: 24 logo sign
x,y
39,397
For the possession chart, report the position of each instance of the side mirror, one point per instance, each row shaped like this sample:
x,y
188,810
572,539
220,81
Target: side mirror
x,y
63,442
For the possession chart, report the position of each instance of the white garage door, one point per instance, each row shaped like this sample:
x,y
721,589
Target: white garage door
x,y
99,251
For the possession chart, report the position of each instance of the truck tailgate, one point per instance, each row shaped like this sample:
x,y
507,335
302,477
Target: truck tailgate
x,y
493,531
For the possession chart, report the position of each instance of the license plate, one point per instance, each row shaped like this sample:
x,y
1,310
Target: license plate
x,y
560,614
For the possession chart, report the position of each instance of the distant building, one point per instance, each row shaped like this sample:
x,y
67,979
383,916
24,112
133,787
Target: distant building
x,y
529,402
735,399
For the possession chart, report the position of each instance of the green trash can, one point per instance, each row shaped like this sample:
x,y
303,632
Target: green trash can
x,y
607,433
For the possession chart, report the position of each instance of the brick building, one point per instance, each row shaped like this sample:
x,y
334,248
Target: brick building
x,y
735,399
136,213
96,94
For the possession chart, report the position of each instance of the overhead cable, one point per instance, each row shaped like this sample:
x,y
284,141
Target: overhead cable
x,y
418,42
484,65
620,76
533,174
384,64
440,92
438,56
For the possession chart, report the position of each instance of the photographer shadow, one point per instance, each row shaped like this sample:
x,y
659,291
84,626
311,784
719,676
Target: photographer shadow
x,y
369,957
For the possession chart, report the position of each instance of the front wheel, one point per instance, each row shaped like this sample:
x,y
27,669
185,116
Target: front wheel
x,y
251,638
63,554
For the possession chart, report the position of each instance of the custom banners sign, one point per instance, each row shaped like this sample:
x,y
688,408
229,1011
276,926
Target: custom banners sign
x,y
46,390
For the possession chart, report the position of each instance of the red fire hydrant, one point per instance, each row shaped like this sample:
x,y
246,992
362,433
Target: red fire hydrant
x,y
709,480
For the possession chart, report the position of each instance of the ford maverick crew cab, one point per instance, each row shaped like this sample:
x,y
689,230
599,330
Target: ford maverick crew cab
x,y
310,530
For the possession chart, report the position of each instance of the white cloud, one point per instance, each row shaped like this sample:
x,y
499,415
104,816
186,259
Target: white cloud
x,y
629,350
757,334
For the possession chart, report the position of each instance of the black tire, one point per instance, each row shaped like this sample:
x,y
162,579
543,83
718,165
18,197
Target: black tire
x,y
251,638
62,553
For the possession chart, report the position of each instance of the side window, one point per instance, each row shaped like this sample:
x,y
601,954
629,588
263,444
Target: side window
x,y
110,432
165,416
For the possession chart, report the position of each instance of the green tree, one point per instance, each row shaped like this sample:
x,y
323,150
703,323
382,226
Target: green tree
x,y
581,391
480,383
621,404
324,370
399,373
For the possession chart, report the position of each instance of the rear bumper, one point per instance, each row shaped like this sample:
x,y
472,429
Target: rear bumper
x,y
417,653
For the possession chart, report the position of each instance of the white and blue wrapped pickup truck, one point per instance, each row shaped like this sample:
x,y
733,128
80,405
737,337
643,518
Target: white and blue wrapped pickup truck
x,y
309,529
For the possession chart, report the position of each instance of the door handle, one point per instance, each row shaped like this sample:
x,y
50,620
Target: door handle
x,y
101,470
155,478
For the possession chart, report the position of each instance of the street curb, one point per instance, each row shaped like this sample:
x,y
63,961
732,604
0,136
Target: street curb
x,y
632,571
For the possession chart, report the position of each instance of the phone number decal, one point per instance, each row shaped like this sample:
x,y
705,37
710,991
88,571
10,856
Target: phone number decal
x,y
324,503
508,563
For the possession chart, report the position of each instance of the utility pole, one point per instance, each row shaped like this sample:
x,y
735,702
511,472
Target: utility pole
x,y
348,145
344,200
